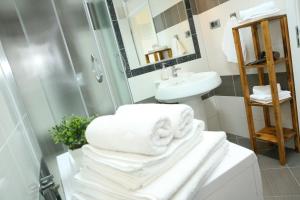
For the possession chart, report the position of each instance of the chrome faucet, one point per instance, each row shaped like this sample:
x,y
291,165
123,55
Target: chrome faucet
x,y
174,71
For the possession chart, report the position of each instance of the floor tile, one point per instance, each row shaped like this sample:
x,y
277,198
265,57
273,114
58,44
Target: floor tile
x,y
266,162
296,173
232,138
261,146
279,182
293,158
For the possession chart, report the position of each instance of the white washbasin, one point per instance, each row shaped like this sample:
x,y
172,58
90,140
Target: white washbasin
x,y
187,85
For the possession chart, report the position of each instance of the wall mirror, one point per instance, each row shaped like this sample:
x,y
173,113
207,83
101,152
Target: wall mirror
x,y
154,31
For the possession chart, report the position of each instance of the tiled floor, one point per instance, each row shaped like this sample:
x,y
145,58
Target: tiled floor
x,y
279,182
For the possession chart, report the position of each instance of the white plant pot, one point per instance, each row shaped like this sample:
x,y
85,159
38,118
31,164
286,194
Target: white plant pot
x,y
76,157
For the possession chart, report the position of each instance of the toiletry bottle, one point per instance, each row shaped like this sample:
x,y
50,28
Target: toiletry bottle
x,y
164,72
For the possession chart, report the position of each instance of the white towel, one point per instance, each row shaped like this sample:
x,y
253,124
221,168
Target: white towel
x,y
189,190
264,89
177,47
181,115
166,186
90,188
228,46
261,10
147,134
149,170
265,99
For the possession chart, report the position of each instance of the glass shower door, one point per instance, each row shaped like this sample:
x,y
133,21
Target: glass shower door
x,y
94,54
110,58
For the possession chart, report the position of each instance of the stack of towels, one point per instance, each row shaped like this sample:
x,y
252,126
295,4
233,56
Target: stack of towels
x,y
262,94
147,152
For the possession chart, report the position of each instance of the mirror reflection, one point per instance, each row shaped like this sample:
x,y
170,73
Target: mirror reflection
x,y
153,30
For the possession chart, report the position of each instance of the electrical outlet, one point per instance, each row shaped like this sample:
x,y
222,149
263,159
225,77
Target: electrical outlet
x,y
215,24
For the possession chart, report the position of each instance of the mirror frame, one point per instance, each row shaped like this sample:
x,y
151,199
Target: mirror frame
x,y
155,66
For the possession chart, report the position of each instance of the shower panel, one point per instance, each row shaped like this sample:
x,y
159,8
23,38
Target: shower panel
x,y
59,65
101,27
34,49
94,54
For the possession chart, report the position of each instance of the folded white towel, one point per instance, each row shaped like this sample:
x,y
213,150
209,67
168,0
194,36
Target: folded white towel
x,y
90,188
149,135
189,190
264,89
166,186
265,99
228,46
150,168
259,11
181,115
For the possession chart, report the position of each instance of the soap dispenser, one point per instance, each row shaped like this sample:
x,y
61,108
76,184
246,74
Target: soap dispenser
x,y
164,72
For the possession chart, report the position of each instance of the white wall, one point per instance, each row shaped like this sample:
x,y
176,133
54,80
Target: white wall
x,y
19,152
293,7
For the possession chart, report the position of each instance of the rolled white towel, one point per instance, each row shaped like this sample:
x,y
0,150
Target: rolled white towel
x,y
264,89
181,115
148,135
131,163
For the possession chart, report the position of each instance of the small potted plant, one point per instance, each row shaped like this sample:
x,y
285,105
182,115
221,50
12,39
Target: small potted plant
x,y
71,132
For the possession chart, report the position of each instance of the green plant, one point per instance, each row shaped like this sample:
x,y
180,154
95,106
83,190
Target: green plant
x,y
71,131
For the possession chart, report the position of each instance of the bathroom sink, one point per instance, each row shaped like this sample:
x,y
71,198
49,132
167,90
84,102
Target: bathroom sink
x,y
187,85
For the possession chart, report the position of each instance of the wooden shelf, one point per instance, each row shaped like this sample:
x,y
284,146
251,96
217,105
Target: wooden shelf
x,y
275,134
269,134
280,60
254,103
256,21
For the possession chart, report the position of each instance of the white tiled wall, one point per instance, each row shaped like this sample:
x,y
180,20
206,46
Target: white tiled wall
x,y
158,6
19,152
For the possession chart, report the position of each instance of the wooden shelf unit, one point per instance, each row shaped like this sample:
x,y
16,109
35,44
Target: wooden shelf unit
x,y
279,61
275,134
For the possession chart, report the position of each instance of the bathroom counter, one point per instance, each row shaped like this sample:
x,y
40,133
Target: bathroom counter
x,y
237,177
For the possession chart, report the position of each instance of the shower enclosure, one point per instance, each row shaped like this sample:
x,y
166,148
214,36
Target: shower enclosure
x,y
57,58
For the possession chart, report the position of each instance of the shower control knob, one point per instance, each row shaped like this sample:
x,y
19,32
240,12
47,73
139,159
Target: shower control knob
x,y
99,78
